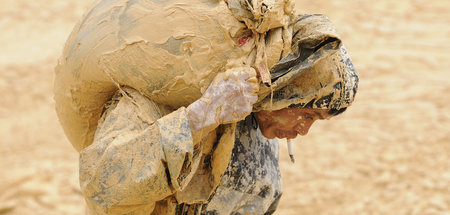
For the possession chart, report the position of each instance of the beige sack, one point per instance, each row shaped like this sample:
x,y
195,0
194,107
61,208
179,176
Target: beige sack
x,y
167,50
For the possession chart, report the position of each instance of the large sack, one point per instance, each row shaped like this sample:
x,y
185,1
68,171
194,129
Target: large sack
x,y
167,50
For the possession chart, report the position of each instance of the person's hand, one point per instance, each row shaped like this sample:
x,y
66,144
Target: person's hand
x,y
231,95
229,98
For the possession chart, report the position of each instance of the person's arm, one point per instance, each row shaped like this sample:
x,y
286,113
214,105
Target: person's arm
x,y
138,158
131,163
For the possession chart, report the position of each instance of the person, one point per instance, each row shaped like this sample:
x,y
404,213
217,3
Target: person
x,y
219,153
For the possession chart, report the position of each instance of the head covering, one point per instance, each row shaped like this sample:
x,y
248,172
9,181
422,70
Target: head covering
x,y
317,74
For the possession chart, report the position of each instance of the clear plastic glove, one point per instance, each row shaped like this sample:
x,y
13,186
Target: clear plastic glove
x,y
228,99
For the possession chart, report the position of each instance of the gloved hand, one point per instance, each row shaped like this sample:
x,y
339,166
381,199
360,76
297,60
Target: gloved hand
x,y
228,99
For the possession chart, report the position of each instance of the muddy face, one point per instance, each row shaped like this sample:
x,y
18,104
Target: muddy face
x,y
288,122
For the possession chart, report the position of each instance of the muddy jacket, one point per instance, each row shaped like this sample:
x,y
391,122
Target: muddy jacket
x,y
142,162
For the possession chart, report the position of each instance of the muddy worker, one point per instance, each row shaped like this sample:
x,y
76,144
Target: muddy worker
x,y
176,106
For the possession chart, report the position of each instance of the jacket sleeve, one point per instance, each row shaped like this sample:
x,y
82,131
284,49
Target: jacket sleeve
x,y
136,158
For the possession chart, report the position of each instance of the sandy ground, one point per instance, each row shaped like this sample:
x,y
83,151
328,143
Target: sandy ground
x,y
388,154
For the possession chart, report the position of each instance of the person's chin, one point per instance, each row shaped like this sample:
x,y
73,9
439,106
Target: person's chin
x,y
292,136
268,134
288,135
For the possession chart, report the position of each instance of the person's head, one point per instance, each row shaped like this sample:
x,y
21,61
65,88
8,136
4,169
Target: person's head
x,y
316,81
323,91
291,121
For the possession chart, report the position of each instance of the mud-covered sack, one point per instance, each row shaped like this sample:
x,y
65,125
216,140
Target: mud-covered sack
x,y
167,50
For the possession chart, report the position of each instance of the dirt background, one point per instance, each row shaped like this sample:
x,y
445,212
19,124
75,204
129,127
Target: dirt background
x,y
388,154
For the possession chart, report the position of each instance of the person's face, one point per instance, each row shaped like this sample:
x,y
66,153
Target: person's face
x,y
288,122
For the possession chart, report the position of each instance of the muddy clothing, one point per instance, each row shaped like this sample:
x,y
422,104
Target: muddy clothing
x,y
252,182
143,159
137,154
137,164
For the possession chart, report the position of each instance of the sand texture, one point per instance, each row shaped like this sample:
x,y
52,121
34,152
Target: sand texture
x,y
388,154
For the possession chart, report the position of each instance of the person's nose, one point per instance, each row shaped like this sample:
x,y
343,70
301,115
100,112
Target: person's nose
x,y
303,128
